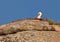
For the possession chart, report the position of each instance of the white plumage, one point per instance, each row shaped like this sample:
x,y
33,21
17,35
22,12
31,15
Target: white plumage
x,y
39,15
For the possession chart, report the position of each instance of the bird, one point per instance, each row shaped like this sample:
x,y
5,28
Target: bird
x,y
39,15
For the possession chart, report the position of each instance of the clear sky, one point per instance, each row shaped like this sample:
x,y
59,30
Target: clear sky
x,y
11,10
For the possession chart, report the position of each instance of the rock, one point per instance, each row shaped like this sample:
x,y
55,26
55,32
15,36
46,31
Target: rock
x,y
27,24
32,36
29,30
57,27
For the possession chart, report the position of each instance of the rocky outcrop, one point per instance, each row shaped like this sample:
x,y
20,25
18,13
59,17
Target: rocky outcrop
x,y
27,24
32,36
29,30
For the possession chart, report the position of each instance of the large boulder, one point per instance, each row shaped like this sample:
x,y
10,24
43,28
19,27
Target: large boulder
x,y
27,24
29,30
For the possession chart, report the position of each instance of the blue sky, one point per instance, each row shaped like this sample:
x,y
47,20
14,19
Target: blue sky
x,y
11,10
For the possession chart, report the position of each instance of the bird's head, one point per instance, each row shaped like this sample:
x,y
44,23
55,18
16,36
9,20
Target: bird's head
x,y
39,13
